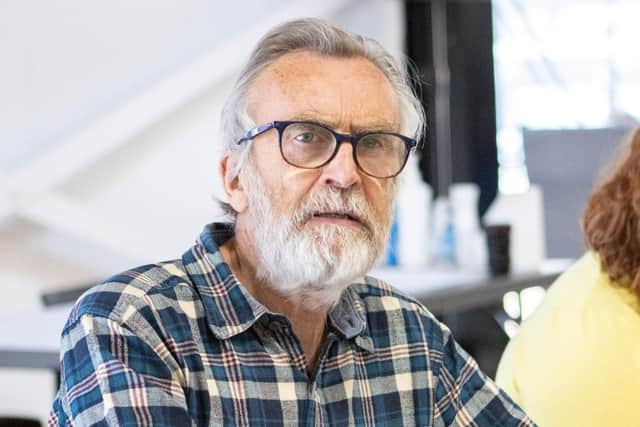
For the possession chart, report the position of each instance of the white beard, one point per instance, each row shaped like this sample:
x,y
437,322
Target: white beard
x,y
315,261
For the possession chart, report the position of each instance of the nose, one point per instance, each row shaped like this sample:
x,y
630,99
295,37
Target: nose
x,y
341,171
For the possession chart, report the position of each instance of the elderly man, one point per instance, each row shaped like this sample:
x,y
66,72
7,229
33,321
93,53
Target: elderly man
x,y
269,320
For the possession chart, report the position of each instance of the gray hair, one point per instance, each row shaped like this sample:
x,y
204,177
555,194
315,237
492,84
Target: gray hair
x,y
318,36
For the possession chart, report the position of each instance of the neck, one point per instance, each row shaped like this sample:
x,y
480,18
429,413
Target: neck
x,y
308,318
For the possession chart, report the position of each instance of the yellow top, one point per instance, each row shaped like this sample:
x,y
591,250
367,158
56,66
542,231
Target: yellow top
x,y
576,360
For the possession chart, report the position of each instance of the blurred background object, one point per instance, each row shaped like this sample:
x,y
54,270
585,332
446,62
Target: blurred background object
x,y
564,163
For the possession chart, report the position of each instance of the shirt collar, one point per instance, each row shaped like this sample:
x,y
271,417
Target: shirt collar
x,y
229,307
349,318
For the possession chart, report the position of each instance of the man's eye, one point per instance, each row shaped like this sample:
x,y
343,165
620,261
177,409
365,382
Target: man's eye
x,y
305,137
370,142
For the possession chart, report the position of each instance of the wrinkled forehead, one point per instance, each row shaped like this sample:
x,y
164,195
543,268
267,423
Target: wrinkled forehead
x,y
348,93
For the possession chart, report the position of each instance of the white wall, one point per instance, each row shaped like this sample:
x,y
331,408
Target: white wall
x,y
108,131
66,62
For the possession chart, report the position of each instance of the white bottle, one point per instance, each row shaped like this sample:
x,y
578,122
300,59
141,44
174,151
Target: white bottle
x,y
443,243
413,214
470,248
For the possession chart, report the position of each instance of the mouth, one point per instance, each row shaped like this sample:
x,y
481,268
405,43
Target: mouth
x,y
337,218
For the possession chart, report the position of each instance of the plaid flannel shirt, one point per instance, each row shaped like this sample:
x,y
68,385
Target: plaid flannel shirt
x,y
183,343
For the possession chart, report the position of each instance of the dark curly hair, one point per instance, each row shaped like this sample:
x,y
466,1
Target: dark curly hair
x,y
611,220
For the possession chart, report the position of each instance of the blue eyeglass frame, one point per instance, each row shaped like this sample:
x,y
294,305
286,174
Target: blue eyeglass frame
x,y
410,143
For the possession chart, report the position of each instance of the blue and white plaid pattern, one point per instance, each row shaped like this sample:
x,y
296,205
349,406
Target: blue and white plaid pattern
x,y
183,343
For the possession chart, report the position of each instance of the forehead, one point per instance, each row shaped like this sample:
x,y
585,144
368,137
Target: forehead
x,y
346,93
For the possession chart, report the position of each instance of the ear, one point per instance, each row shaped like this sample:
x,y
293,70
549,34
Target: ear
x,y
233,188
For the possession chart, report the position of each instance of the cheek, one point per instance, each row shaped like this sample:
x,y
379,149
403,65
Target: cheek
x,y
380,195
291,185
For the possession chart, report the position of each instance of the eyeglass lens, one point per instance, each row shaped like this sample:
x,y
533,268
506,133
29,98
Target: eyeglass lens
x,y
308,145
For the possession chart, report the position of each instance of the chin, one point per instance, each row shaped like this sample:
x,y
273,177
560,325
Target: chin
x,y
320,283
340,234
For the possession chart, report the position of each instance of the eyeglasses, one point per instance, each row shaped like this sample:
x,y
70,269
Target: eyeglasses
x,y
310,145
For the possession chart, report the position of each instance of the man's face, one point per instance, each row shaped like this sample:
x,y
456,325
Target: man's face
x,y
348,95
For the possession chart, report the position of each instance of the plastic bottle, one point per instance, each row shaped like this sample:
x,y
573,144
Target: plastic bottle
x,y
443,244
470,250
413,214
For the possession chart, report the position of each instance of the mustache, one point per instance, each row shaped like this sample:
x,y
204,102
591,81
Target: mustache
x,y
349,202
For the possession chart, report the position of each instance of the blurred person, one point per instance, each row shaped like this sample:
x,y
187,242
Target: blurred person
x,y
269,319
576,360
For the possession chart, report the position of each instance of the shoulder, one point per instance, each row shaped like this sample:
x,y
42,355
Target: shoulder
x,y
138,291
415,341
556,325
390,311
581,305
380,296
579,341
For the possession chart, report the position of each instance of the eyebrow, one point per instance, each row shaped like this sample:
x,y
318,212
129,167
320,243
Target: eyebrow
x,y
380,125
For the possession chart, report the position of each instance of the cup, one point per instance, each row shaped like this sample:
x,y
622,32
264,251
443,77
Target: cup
x,y
498,242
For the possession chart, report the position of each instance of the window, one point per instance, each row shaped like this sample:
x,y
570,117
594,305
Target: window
x,y
562,64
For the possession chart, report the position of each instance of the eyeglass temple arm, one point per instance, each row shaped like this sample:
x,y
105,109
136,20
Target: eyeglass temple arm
x,y
252,133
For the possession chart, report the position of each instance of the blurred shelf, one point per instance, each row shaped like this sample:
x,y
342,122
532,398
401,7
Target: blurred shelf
x,y
445,290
